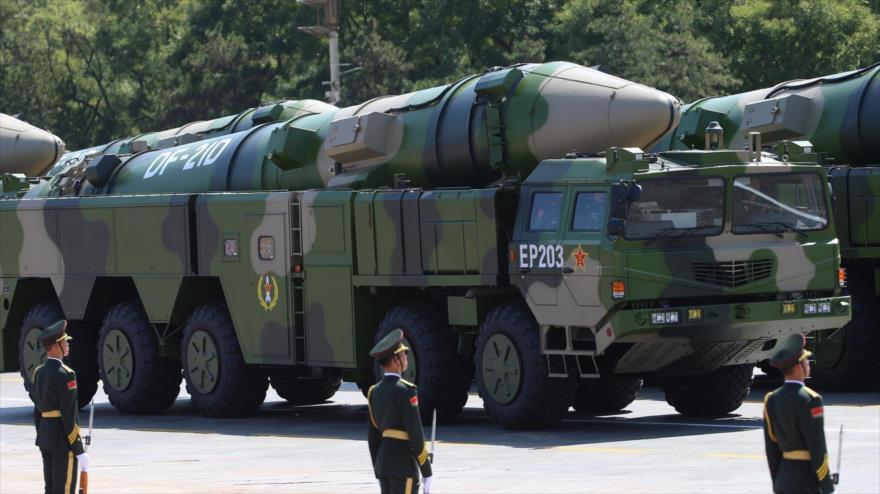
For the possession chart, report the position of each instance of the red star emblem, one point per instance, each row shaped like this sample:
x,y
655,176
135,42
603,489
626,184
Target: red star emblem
x,y
580,258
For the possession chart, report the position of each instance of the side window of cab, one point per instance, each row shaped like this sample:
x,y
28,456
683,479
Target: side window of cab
x,y
546,212
589,212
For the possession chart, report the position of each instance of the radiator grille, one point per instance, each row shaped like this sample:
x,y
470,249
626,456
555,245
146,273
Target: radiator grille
x,y
732,274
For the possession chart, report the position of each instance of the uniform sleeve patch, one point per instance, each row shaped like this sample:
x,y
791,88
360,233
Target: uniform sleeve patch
x,y
414,400
71,385
817,412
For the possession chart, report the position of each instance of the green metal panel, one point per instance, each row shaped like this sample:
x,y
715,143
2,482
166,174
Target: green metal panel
x,y
864,207
365,236
256,289
158,295
328,259
388,217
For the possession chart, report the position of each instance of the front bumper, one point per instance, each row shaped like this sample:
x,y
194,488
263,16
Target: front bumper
x,y
724,334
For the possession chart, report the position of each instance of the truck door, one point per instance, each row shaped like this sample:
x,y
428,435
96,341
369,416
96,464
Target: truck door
x,y
586,253
537,258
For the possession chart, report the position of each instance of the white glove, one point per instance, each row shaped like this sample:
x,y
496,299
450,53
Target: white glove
x,y
83,461
426,482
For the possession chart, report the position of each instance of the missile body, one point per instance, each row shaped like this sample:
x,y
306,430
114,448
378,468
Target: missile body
x,y
469,133
839,114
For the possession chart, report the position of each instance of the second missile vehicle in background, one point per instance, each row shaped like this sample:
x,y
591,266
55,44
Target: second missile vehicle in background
x,y
840,116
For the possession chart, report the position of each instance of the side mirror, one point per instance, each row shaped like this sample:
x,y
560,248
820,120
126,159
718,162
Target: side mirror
x,y
635,191
615,226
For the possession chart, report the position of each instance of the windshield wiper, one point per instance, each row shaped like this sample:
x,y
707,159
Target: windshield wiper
x,y
785,226
667,233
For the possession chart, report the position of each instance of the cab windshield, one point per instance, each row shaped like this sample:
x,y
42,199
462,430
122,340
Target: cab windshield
x,y
676,208
778,203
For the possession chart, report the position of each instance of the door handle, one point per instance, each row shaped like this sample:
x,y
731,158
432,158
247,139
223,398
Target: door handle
x,y
525,270
567,270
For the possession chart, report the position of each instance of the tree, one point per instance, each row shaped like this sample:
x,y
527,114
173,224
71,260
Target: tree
x,y
653,43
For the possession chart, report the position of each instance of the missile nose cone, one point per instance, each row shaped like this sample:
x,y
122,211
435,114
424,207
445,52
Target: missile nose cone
x,y
589,111
25,148
642,114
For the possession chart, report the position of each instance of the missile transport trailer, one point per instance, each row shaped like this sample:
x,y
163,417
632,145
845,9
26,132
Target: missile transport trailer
x,y
278,255
840,115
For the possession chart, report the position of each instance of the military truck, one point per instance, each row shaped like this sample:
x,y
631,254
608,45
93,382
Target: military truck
x,y
840,115
279,254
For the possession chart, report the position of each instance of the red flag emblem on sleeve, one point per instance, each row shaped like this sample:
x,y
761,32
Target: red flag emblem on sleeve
x,y
816,412
71,385
414,401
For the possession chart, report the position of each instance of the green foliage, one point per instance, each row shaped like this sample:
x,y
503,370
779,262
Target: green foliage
x,y
94,70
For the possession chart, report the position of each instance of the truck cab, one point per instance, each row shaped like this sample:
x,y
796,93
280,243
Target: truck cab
x,y
675,266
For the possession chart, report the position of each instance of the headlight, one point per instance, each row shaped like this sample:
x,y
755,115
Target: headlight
x,y
824,307
810,308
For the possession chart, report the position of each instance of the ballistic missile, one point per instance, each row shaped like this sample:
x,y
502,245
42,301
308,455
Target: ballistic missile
x,y
473,132
26,149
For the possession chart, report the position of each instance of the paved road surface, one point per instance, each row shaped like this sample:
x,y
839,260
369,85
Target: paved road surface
x,y
322,449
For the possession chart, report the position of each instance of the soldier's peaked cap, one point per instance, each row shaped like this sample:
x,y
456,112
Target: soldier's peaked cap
x,y
790,352
55,332
390,345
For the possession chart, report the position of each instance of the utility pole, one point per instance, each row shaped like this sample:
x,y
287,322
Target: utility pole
x,y
328,27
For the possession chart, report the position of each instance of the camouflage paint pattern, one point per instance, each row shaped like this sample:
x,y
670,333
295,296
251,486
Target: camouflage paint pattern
x,y
660,275
836,113
310,229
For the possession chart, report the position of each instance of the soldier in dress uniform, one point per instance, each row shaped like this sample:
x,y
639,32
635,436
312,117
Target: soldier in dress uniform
x,y
56,414
794,434
397,442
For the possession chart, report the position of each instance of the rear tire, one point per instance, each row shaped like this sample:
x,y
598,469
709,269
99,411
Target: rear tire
x,y
608,394
83,358
302,390
440,372
137,378
217,379
31,353
512,375
715,394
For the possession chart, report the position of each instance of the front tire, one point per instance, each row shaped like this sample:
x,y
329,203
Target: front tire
x,y
217,378
608,394
715,394
137,378
512,375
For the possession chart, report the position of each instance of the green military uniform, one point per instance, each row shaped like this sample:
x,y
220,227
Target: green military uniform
x,y
794,434
396,439
56,417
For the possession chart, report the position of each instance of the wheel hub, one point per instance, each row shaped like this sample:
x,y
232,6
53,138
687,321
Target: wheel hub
x,y
202,362
32,353
828,348
117,360
501,368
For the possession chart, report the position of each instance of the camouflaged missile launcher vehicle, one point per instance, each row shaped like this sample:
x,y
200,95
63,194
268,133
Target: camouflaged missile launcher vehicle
x,y
840,115
279,254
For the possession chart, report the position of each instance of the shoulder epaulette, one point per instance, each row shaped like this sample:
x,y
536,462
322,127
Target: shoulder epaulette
x,y
404,381
812,393
68,369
